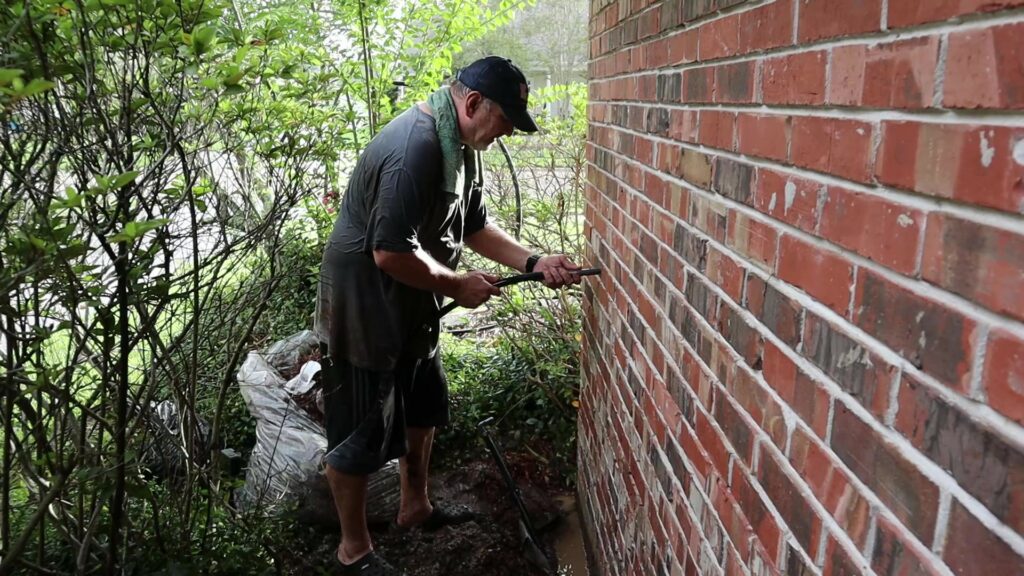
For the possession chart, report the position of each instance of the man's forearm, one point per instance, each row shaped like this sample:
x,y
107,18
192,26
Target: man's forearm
x,y
495,244
419,270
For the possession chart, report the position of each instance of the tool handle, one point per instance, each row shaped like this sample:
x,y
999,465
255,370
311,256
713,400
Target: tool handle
x,y
519,278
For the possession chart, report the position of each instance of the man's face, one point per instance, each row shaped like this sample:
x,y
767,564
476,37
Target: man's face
x,y
487,123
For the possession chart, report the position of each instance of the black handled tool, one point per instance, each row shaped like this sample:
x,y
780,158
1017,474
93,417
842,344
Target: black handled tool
x,y
519,278
531,545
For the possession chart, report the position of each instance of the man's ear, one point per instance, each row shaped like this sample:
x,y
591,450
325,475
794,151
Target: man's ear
x,y
474,100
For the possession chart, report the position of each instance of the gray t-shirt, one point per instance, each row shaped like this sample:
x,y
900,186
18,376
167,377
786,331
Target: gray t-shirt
x,y
394,202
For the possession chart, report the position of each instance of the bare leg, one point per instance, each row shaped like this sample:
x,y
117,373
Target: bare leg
x,y
415,505
350,501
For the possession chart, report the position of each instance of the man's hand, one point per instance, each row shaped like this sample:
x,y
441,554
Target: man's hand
x,y
475,288
558,270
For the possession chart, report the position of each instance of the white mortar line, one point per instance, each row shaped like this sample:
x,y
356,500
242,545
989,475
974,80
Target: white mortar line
x,y
993,420
796,22
963,23
894,397
942,523
956,302
885,15
940,72
1004,118
977,385
869,543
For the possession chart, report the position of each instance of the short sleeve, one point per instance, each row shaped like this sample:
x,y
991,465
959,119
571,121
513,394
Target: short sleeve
x,y
396,214
476,211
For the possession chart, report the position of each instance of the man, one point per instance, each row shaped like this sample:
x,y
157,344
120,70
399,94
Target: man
x,y
410,206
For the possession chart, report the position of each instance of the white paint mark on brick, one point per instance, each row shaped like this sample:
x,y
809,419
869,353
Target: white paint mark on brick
x,y
1018,153
987,151
905,221
790,195
771,203
858,355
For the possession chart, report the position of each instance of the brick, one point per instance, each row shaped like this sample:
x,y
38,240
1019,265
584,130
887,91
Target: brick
x,y
832,18
831,145
891,75
982,165
902,14
741,336
698,84
764,410
985,68
794,79
874,227
717,129
725,272
931,336
829,484
692,166
719,38
710,216
790,199
981,462
1004,374
766,27
839,561
968,541
792,504
736,429
859,372
810,401
826,276
734,82
766,136
668,87
981,263
683,125
901,487
733,179
754,239
897,555
760,518
682,46
781,315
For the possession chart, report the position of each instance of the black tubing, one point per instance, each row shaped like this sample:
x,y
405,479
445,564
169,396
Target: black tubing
x,y
519,278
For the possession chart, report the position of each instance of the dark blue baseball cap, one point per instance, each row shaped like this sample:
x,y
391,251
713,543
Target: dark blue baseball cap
x,y
500,80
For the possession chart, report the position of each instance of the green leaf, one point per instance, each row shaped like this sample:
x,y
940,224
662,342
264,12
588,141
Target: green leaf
x,y
9,74
36,86
124,179
234,89
133,230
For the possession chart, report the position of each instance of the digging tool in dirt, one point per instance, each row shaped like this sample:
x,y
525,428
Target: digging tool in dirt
x,y
529,541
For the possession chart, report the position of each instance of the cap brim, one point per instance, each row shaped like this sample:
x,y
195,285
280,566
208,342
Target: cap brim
x,y
521,119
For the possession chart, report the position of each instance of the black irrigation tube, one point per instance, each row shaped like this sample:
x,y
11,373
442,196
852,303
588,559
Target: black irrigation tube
x,y
519,278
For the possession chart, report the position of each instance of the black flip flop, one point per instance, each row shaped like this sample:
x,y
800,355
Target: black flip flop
x,y
447,515
369,565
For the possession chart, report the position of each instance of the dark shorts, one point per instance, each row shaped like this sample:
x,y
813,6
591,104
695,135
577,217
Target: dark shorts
x,y
366,412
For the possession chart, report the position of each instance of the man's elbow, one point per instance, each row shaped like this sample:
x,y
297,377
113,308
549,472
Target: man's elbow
x,y
384,260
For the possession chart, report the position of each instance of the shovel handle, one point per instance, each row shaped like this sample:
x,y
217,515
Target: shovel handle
x,y
519,278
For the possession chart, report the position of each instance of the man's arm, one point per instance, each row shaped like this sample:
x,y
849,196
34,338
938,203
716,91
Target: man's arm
x,y
495,244
419,270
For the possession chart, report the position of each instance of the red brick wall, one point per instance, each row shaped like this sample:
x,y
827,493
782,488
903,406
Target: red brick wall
x,y
807,352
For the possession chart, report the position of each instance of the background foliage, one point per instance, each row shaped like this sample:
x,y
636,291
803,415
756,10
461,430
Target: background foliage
x,y
168,173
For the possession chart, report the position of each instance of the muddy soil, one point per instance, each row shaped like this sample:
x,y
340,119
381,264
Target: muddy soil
x,y
488,545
